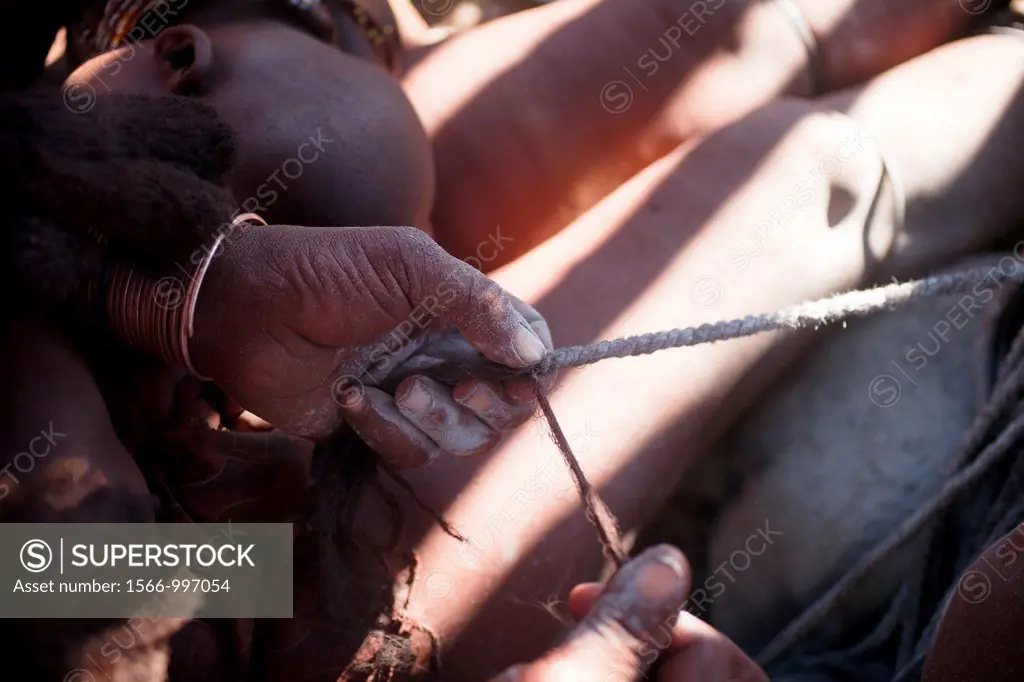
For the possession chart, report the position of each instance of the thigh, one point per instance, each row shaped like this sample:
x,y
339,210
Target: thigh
x,y
834,472
716,230
950,131
793,202
536,117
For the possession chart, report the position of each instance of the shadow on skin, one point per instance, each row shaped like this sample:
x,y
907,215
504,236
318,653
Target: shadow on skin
x,y
607,297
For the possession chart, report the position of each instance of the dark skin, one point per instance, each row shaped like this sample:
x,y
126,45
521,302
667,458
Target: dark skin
x,y
374,279
374,159
394,146
698,66
242,58
637,613
629,46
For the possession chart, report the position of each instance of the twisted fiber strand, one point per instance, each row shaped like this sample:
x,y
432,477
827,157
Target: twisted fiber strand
x,y
596,510
1003,399
1005,511
812,314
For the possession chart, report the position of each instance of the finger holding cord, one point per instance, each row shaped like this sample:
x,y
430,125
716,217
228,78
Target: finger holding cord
x,y
609,644
695,652
375,418
430,406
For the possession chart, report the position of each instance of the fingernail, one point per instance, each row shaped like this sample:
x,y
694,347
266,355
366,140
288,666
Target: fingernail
x,y
416,399
671,557
541,329
478,399
528,346
647,591
686,621
659,577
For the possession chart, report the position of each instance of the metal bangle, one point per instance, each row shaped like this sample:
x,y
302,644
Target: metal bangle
x,y
187,329
156,317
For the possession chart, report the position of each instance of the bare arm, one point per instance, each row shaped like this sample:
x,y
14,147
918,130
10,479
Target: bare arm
x,y
768,212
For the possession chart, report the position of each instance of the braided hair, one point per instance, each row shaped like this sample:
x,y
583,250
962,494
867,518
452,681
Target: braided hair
x,y
143,176
142,180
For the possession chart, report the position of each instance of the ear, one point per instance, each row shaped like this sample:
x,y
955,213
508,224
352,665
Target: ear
x,y
184,56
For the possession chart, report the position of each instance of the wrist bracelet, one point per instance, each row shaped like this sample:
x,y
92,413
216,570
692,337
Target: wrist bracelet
x,y
156,317
802,27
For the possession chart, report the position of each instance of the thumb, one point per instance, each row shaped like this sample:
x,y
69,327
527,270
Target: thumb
x,y
614,642
462,296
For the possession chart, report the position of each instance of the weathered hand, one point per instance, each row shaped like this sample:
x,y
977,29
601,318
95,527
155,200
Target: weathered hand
x,y
302,326
634,621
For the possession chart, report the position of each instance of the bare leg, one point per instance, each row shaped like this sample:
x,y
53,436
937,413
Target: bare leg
x,y
691,240
644,259
536,117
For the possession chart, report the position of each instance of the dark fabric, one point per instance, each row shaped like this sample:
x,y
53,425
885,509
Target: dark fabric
x,y
918,631
974,632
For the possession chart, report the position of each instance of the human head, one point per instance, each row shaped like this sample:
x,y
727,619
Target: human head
x,y
325,135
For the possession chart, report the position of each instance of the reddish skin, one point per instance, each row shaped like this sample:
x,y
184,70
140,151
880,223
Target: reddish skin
x,y
636,262
530,170
514,119
731,370
186,58
229,64
634,619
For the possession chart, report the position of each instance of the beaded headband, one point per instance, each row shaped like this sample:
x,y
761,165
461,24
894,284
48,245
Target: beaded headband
x,y
128,21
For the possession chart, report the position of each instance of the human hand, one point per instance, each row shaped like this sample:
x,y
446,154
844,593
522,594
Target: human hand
x,y
302,326
632,622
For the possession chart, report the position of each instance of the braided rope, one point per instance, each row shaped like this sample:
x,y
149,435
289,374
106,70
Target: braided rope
x,y
813,314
